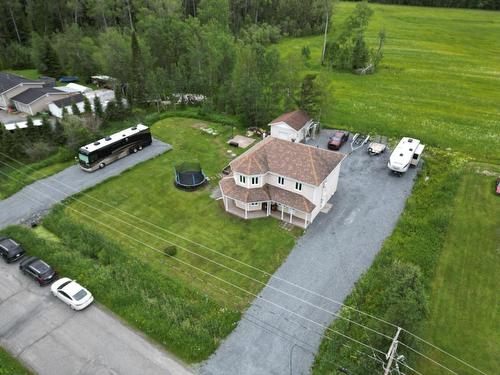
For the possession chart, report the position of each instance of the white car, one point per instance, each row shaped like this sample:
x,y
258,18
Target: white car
x,y
72,293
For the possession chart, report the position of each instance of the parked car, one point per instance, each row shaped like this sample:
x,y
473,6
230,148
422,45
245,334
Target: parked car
x,y
38,270
10,250
498,186
71,293
337,140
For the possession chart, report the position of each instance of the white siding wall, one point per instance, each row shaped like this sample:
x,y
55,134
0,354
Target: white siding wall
x,y
283,131
308,191
6,96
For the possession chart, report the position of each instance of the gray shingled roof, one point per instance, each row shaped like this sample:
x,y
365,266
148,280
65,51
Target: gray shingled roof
x,y
65,102
8,81
32,94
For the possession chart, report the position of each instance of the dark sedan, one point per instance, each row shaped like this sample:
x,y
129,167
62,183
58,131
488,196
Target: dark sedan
x,y
10,250
38,270
337,140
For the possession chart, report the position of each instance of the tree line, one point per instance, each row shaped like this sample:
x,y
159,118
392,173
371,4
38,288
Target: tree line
x,y
473,4
157,49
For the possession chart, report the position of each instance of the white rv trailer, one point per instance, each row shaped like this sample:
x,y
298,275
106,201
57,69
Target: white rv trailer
x,y
407,152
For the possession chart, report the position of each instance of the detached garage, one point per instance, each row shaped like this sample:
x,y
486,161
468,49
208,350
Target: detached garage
x,y
296,126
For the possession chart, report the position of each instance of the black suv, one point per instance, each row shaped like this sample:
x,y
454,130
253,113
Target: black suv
x,y
10,250
38,269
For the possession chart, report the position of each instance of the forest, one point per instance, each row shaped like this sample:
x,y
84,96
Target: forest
x,y
217,48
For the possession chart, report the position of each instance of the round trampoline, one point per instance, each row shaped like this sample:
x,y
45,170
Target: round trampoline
x,y
189,176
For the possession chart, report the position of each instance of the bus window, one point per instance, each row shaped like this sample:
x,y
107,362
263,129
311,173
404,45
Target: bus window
x,y
83,158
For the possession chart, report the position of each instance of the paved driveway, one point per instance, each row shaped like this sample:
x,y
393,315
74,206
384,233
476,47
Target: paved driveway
x,y
48,191
336,249
52,339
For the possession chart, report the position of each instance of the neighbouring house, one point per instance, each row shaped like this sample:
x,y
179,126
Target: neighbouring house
x,y
74,87
57,107
296,126
34,100
12,85
289,181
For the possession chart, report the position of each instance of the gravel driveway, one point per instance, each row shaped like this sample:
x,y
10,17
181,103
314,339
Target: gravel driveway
x,y
336,249
52,339
42,194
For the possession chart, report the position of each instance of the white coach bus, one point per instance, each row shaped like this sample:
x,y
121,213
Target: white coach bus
x,y
98,154
407,152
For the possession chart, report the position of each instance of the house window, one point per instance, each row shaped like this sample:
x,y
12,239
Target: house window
x,y
298,186
243,179
281,180
255,180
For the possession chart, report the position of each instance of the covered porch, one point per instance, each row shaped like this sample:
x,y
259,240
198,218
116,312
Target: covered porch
x,y
257,210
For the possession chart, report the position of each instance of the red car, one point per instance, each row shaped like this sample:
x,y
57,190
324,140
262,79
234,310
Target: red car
x,y
337,140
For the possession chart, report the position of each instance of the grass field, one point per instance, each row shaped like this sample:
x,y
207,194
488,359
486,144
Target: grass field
x,y
10,366
464,305
187,311
439,80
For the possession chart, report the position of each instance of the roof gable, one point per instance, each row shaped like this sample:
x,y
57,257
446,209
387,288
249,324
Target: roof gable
x,y
296,119
9,81
35,93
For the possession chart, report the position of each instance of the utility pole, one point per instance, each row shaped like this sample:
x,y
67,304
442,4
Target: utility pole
x,y
326,33
391,353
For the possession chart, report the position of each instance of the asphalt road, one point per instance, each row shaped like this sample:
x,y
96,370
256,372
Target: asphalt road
x,y
51,339
41,195
336,249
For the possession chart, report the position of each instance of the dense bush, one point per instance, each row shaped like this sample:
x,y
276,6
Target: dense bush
x,y
188,323
170,250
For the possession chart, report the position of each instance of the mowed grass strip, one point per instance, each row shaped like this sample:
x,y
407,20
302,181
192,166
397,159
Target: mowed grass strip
x,y
11,366
439,80
464,301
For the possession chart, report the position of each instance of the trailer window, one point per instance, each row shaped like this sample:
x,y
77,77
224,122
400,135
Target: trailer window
x,y
415,156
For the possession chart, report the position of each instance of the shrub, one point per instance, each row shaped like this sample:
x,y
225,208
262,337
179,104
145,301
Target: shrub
x,y
170,250
38,150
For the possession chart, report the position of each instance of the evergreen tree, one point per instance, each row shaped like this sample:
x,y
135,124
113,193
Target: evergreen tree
x,y
74,108
119,97
87,107
98,107
137,80
50,60
58,133
17,143
309,97
3,141
31,132
45,130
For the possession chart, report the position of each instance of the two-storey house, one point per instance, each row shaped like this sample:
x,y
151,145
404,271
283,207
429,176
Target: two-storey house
x,y
287,180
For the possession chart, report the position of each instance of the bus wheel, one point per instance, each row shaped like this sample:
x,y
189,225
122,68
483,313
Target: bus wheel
x,y
140,148
134,150
102,165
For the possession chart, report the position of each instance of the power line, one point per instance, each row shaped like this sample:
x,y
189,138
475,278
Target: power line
x,y
212,275
248,265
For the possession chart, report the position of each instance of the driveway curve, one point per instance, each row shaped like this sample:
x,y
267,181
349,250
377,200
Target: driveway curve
x,y
334,252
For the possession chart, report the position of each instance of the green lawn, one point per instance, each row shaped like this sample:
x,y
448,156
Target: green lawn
x,y
10,366
26,73
20,174
183,309
439,80
464,306
148,191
